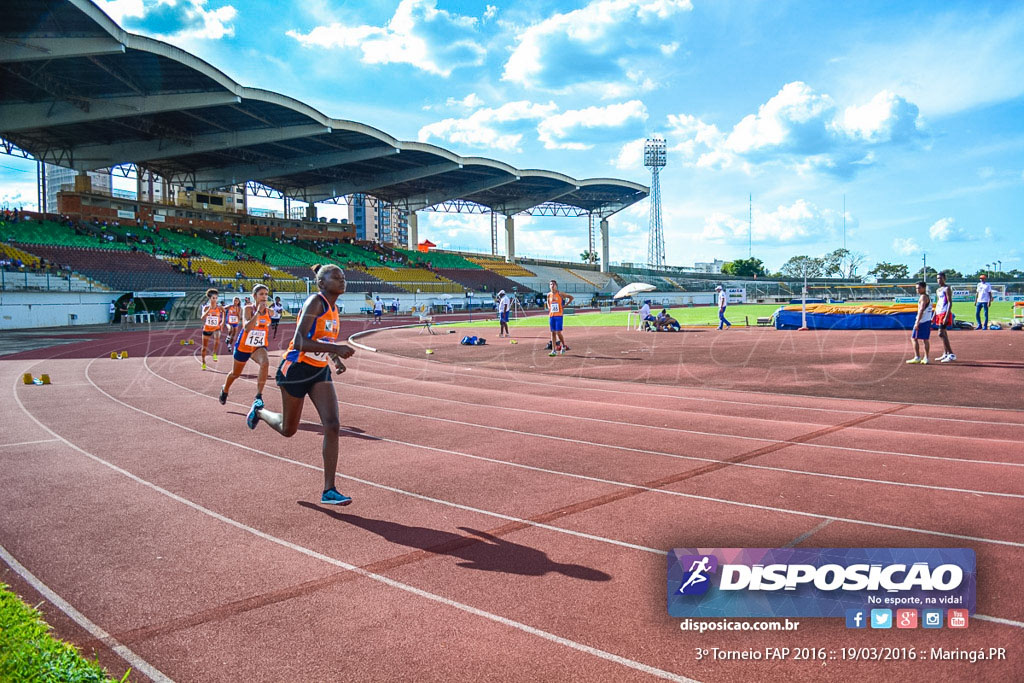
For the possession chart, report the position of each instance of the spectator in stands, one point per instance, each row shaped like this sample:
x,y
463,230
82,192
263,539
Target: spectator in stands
x,y
666,323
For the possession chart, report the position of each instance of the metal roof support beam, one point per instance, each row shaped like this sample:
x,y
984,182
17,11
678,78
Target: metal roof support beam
x,y
368,184
520,205
24,117
209,179
34,48
458,192
88,157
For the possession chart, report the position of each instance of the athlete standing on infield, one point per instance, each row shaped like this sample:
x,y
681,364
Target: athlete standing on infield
x,y
556,308
944,317
922,326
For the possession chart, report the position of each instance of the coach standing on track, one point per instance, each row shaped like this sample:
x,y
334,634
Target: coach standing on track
x,y
723,303
504,307
983,301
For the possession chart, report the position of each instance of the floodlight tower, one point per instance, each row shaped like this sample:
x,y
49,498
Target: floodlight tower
x,y
654,159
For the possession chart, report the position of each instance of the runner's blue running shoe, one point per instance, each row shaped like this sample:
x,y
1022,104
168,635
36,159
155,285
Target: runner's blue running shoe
x,y
332,497
253,418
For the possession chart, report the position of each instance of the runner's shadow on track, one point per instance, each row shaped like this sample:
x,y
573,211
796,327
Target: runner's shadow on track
x,y
480,550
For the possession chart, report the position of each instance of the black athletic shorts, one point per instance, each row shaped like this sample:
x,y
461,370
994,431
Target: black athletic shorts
x,y
274,322
207,334
298,378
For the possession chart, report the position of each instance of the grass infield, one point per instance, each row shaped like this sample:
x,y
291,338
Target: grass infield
x,y
29,653
1001,311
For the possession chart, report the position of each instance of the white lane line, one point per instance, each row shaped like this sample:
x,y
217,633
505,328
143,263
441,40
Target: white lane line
x,y
725,463
425,366
135,661
559,640
26,443
639,487
679,430
374,361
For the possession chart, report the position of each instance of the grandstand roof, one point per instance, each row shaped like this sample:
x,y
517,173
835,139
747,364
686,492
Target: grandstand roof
x,y
79,91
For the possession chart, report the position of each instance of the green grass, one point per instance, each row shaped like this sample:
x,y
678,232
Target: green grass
x,y
708,315
29,653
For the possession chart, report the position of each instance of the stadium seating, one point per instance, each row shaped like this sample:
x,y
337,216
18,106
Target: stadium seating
x,y
51,232
356,281
438,260
412,279
481,280
500,267
120,270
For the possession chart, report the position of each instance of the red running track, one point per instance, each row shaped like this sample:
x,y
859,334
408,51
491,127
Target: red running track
x,y
507,524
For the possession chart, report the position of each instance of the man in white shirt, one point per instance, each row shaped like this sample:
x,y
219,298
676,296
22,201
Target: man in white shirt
x,y
983,301
504,308
645,316
378,310
922,326
944,317
723,303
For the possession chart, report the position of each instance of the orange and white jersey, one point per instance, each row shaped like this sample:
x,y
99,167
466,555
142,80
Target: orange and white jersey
x,y
256,337
233,315
324,329
556,304
212,317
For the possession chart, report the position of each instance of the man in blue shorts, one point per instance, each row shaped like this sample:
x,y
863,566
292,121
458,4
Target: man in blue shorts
x,y
504,306
922,326
556,307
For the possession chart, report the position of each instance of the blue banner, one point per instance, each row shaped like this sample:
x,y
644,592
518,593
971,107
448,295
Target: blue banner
x,y
817,582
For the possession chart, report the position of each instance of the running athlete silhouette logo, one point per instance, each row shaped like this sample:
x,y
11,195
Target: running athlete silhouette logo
x,y
699,567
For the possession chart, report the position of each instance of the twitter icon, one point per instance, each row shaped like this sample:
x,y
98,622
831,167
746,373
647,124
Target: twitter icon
x,y
881,618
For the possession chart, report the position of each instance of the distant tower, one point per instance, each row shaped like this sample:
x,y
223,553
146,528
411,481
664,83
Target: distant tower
x,y
654,159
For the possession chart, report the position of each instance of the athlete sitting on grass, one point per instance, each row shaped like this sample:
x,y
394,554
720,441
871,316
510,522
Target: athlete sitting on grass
x,y
304,371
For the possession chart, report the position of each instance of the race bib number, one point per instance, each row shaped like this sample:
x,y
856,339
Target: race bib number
x,y
322,356
233,319
556,307
256,338
212,321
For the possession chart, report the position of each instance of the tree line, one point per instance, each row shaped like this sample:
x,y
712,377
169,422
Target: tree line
x,y
845,264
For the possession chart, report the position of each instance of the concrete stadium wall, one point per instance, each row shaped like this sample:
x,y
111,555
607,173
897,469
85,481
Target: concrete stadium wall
x,y
23,310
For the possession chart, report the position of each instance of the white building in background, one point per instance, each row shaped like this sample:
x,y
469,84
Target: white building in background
x,y
709,267
59,178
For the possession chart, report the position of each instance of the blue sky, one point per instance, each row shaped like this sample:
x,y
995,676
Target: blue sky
x,y
912,110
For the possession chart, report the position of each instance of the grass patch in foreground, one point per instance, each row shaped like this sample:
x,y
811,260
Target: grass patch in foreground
x,y
1000,311
29,653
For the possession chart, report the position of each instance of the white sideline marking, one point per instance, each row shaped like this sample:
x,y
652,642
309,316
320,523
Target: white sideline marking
x,y
26,443
559,640
137,663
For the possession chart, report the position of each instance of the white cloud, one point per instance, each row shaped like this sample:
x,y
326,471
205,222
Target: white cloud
x,y
906,246
490,128
419,34
630,156
947,63
470,101
800,129
800,222
945,230
606,42
490,12
177,19
555,130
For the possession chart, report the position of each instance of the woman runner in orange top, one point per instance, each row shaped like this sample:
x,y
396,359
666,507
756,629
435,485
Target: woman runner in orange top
x,y
234,315
304,371
252,343
212,317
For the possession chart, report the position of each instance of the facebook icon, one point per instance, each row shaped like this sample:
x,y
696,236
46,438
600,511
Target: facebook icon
x,y
856,618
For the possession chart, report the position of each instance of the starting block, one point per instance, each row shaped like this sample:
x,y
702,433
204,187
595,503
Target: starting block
x,y
124,354
188,342
27,378
114,355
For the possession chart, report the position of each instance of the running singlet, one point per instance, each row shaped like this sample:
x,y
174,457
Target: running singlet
x,y
232,315
325,329
942,302
555,307
275,311
248,342
212,318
